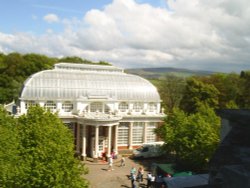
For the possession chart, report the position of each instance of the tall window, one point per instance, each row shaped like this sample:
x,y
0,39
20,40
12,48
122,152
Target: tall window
x,y
123,134
138,107
96,106
138,132
50,105
67,106
123,106
151,137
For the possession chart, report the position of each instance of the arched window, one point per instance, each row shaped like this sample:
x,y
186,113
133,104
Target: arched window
x,y
123,106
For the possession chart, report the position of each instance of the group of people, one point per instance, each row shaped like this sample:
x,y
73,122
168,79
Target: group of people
x,y
151,179
136,177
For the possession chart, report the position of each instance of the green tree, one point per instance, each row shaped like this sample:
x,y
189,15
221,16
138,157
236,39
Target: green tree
x,y
197,94
2,56
171,89
75,59
244,97
228,86
72,59
192,138
104,63
15,68
47,152
36,62
8,150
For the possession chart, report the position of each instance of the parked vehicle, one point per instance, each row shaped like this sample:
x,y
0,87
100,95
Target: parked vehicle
x,y
148,150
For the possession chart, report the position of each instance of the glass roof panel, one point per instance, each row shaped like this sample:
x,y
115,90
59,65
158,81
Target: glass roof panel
x,y
62,83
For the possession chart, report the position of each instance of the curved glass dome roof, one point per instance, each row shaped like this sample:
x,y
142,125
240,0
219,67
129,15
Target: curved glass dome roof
x,y
69,81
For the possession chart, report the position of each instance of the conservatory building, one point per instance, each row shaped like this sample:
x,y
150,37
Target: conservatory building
x,y
107,109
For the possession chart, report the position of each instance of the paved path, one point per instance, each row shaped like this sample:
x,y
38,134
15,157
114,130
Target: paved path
x,y
100,177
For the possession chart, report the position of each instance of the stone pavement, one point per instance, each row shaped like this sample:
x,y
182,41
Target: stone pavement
x,y
100,177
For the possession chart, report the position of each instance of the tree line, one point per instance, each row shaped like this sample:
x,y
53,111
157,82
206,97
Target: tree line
x,y
15,68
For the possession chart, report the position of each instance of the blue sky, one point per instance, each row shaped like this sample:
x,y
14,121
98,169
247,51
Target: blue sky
x,y
27,15
193,34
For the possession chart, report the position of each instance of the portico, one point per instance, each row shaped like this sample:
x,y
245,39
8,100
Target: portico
x,y
99,133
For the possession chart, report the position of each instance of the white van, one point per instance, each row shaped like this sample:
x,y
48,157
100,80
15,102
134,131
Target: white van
x,y
148,150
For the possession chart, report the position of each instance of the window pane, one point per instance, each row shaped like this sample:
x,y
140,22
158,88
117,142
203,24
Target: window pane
x,y
50,105
67,107
151,137
138,107
96,106
29,104
123,106
123,134
152,107
138,132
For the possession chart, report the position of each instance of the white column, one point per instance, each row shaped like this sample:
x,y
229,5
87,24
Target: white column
x,y
130,135
78,138
42,103
109,140
116,136
96,142
22,107
158,108
84,142
145,132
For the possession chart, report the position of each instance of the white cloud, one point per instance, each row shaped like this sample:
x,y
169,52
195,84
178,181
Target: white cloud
x,y
51,18
196,34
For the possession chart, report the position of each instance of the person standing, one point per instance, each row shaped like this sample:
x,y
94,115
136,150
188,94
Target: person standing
x,y
140,174
132,171
122,161
149,179
133,181
110,163
153,181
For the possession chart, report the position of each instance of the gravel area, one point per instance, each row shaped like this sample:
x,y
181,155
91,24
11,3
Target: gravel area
x,y
100,177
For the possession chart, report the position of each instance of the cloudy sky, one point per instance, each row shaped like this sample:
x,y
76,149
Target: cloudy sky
x,y
194,34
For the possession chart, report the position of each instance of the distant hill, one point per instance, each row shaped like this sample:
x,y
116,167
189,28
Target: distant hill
x,y
154,73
